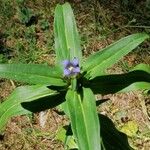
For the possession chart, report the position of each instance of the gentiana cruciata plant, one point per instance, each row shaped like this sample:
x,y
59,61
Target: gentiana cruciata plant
x,y
70,86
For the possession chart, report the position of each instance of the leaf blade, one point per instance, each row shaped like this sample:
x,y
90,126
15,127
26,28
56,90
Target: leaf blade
x,y
12,105
82,112
109,84
32,74
67,43
96,64
144,67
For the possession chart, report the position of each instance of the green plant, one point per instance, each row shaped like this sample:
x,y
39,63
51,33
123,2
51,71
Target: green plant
x,y
24,14
1,58
44,24
148,4
72,83
30,35
7,10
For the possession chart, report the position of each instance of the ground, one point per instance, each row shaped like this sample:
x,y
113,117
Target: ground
x,y
98,26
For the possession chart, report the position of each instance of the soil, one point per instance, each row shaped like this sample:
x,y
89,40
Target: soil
x,y
26,133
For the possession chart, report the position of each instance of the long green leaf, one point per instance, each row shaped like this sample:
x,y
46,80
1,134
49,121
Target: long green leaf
x,y
96,64
144,67
84,119
137,86
135,80
12,106
32,74
67,43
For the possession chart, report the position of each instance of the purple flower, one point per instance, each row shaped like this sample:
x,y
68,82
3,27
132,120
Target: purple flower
x,y
71,67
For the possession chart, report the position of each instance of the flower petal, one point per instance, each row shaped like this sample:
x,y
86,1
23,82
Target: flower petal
x,y
67,72
75,62
76,70
65,63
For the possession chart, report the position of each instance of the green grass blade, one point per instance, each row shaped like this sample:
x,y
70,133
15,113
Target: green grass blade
x,y
32,74
144,67
84,119
12,106
137,86
67,43
96,64
108,84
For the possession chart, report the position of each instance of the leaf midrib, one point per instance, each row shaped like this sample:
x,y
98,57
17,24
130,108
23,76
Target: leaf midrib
x,y
84,118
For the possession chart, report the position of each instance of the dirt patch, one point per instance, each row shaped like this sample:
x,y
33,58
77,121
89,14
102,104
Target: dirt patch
x,y
26,133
